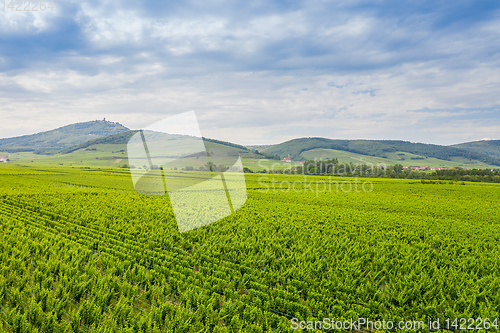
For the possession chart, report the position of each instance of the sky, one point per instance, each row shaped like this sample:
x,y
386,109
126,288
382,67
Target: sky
x,y
257,72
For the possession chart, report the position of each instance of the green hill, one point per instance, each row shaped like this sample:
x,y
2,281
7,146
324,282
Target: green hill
x,y
403,158
486,147
391,150
104,143
111,151
115,139
61,138
123,138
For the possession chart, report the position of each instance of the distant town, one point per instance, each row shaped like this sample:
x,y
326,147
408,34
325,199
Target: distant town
x,y
423,168
415,168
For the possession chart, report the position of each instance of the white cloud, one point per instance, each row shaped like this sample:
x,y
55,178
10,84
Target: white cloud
x,y
258,76
23,22
267,106
122,27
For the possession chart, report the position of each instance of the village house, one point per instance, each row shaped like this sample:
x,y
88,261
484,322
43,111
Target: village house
x,y
419,168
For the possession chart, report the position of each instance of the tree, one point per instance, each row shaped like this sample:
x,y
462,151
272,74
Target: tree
x,y
398,168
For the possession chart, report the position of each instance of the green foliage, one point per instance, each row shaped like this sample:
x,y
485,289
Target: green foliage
x,y
115,139
335,168
486,147
81,251
208,141
379,148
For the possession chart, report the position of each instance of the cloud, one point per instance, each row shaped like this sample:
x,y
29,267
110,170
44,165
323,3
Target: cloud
x,y
257,72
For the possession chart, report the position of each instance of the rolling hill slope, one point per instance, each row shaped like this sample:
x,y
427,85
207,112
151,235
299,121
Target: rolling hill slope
x,y
61,138
104,143
111,151
390,150
486,147
120,140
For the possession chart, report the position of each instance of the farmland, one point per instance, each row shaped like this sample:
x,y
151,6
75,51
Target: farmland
x,y
403,158
114,155
82,251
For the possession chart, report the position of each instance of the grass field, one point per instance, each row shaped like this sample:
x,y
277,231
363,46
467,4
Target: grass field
x,y
102,156
82,251
115,155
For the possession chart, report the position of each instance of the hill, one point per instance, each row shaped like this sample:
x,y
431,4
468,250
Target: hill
x,y
486,147
61,138
115,139
104,143
111,151
392,151
121,140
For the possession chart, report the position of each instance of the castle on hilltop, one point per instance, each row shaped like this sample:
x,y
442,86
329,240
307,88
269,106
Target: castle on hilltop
x,y
105,121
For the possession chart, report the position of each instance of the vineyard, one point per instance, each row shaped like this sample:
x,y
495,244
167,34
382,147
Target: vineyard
x,y
81,251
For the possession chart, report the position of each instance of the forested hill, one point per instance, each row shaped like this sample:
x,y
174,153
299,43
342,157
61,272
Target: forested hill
x,y
123,138
486,147
115,139
61,138
70,138
378,148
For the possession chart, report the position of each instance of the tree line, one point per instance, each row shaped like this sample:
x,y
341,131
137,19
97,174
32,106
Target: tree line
x,y
332,167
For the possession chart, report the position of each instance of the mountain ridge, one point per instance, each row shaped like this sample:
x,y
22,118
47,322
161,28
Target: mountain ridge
x,y
376,148
487,147
55,140
76,137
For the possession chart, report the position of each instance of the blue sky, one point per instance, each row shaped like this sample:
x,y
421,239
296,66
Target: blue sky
x,y
258,72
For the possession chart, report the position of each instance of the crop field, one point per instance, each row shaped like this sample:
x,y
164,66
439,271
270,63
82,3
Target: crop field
x,y
112,156
81,251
